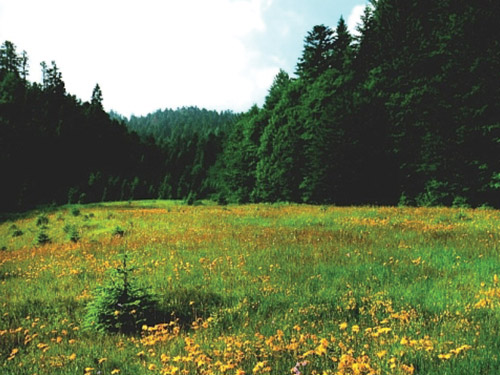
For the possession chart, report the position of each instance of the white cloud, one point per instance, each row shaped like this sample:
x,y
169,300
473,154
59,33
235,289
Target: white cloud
x,y
355,18
147,55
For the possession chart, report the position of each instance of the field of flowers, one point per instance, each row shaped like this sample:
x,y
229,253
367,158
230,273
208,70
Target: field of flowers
x,y
255,289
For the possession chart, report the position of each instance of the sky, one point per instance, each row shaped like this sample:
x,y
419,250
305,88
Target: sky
x,y
154,54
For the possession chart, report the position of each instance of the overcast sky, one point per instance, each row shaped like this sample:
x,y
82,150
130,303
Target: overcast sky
x,y
155,54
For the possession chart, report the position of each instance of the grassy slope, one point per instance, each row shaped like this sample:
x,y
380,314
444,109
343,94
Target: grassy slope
x,y
345,290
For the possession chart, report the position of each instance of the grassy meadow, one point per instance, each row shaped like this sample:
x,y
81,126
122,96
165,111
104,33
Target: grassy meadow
x,y
255,289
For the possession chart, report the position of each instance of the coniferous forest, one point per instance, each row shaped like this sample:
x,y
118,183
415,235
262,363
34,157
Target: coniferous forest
x,y
406,112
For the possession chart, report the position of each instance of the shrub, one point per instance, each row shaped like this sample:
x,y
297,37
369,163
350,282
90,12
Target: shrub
x,y
42,220
73,235
42,238
460,201
118,231
222,200
75,211
17,233
120,305
404,200
435,194
191,198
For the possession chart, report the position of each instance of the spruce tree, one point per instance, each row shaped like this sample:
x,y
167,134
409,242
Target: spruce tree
x,y
317,53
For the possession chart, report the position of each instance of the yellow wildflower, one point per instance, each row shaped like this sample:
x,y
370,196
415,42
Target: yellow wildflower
x,y
444,356
320,350
259,366
408,369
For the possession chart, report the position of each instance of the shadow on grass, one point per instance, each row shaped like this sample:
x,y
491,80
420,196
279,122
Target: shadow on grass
x,y
186,305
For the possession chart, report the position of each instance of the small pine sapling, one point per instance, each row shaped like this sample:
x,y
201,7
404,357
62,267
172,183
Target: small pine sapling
x,y
120,305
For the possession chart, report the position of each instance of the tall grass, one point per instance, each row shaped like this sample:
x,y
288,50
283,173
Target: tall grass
x,y
256,289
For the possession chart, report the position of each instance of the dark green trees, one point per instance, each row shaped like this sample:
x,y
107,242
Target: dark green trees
x,y
10,62
191,141
327,107
279,169
96,99
407,111
317,54
56,149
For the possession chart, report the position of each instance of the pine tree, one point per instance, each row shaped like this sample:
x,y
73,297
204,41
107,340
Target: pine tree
x,y
317,53
342,50
280,167
328,138
24,66
96,100
9,60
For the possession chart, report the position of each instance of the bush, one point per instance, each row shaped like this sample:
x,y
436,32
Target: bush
x,y
191,199
42,238
460,201
222,200
75,211
42,220
118,232
435,194
120,305
17,233
73,235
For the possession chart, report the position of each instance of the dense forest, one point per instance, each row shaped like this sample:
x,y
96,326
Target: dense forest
x,y
405,112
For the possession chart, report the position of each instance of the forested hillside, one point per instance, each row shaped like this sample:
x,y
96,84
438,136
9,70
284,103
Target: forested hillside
x,y
58,149
191,139
406,112
171,124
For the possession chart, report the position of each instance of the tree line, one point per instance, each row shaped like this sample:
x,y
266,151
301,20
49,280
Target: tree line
x,y
407,111
57,149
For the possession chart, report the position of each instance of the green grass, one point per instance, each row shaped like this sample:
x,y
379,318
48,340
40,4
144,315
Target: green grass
x,y
388,290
